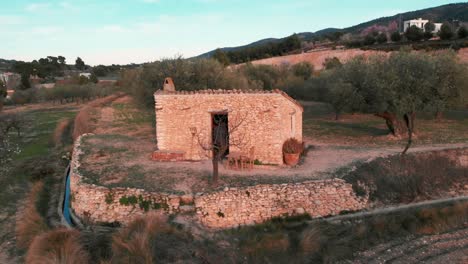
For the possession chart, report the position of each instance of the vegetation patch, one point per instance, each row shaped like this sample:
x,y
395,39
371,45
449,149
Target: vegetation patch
x,y
144,204
405,179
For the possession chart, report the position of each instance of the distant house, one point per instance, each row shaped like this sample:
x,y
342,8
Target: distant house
x,y
85,74
264,119
10,79
420,23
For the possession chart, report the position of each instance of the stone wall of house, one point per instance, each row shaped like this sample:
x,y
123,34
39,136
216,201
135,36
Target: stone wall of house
x,y
250,205
264,120
97,203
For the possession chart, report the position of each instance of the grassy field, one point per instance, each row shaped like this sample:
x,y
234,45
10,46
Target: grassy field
x,y
35,156
369,130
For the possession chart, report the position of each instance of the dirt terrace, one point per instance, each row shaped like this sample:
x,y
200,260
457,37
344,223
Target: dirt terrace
x,y
118,155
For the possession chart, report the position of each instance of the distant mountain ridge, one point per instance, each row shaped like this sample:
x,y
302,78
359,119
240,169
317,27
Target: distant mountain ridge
x,y
449,12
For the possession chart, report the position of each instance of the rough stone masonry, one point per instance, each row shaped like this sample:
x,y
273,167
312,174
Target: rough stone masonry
x,y
265,119
256,204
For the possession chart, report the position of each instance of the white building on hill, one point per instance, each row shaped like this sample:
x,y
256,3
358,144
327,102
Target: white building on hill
x,y
420,23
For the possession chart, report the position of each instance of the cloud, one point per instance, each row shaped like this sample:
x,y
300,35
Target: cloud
x,y
113,29
47,30
11,20
33,7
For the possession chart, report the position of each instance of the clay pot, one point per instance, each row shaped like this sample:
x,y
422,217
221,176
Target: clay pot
x,y
291,159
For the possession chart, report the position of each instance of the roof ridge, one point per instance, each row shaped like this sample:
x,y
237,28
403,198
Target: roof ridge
x,y
232,91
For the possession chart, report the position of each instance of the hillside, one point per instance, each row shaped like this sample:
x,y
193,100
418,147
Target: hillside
x,y
303,36
317,58
439,14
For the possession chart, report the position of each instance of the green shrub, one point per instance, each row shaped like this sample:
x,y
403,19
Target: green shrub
x,y
109,198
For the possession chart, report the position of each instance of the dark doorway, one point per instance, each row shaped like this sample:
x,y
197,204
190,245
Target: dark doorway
x,y
220,134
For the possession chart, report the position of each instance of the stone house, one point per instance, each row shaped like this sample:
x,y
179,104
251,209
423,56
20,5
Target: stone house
x,y
255,118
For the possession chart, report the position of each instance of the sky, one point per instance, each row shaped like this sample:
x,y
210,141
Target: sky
x,y
136,31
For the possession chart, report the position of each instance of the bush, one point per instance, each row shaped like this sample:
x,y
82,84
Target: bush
x,y
414,33
62,133
292,146
399,179
22,97
462,32
331,63
395,36
58,246
428,35
381,38
446,31
303,70
369,39
30,223
151,239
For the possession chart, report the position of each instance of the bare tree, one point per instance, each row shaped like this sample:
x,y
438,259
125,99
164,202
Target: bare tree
x,y
224,134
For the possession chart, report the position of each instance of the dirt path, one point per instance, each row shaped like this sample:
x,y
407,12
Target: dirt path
x,y
321,160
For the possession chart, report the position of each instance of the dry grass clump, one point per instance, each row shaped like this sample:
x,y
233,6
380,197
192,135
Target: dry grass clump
x,y
30,223
310,241
56,247
60,132
134,244
84,122
151,239
276,242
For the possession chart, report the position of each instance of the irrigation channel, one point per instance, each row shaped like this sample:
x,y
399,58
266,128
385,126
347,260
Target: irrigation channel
x,y
66,199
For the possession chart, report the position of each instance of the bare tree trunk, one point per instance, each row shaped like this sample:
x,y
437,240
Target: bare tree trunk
x,y
337,116
215,160
409,121
439,115
1,105
394,126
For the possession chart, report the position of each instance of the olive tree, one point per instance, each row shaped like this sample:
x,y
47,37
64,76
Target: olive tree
x,y
188,75
446,31
397,87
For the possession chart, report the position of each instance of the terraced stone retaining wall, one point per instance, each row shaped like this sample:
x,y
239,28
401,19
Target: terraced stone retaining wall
x,y
223,209
96,203
251,205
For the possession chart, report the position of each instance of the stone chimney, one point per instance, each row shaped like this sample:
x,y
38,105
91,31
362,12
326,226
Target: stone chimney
x,y
168,85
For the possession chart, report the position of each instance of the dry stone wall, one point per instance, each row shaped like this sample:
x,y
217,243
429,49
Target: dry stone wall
x,y
224,209
96,203
250,205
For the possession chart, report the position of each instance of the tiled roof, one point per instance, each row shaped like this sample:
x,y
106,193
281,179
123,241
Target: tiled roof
x,y
234,91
